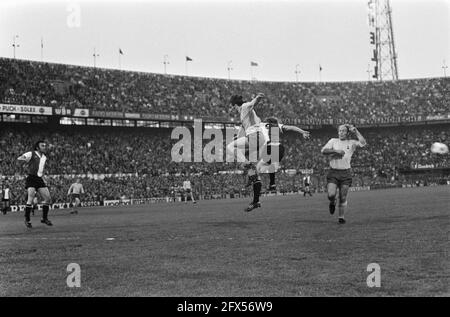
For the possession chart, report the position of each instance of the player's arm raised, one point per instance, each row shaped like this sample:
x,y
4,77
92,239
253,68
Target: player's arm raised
x,y
255,100
292,128
25,158
361,139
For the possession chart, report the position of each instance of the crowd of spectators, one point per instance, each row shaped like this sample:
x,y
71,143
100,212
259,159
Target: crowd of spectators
x,y
58,85
137,163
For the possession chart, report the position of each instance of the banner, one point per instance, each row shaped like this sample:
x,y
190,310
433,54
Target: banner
x,y
359,188
144,201
81,113
23,109
154,116
62,111
117,202
107,114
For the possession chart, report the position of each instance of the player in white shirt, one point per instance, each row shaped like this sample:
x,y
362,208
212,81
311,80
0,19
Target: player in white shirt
x,y
340,151
75,191
250,126
306,185
187,187
5,192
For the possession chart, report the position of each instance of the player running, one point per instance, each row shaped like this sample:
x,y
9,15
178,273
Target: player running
x,y
35,163
75,191
340,151
270,155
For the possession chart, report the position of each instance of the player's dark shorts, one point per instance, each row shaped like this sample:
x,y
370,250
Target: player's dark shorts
x,y
34,181
75,196
272,149
340,177
188,190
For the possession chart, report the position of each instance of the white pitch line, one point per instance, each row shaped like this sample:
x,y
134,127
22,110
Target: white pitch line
x,y
39,238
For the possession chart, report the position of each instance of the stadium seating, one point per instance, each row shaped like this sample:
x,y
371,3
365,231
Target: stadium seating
x,y
143,156
36,83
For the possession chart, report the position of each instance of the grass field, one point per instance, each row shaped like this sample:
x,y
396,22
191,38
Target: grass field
x,y
289,247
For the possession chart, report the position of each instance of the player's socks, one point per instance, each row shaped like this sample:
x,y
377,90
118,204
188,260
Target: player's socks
x,y
332,206
28,209
342,207
45,210
45,220
272,180
256,191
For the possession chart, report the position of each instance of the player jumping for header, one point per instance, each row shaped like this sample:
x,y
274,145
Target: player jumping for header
x,y
270,154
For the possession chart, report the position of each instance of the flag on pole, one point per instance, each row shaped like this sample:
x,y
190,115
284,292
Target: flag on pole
x,y
320,68
120,51
188,59
253,64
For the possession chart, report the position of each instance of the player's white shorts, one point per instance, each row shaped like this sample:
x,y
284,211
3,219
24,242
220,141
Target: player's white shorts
x,y
253,129
264,168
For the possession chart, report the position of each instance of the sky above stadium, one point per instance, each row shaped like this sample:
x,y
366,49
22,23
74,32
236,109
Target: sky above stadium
x,y
277,35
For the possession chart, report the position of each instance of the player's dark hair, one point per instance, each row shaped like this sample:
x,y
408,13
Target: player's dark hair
x,y
36,145
236,100
273,121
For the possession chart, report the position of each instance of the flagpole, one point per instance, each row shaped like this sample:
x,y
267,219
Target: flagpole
x,y
229,70
165,63
42,49
320,73
185,65
120,62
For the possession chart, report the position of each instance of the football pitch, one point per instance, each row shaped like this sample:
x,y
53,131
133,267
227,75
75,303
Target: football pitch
x,y
289,247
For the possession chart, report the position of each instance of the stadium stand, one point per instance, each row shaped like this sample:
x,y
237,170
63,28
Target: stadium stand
x,y
136,162
46,84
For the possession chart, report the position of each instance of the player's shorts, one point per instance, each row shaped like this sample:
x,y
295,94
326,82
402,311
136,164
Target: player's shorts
x,y
187,190
340,177
74,196
306,188
34,181
6,203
